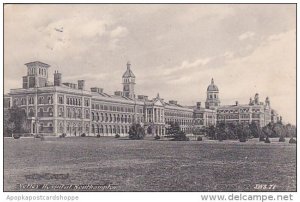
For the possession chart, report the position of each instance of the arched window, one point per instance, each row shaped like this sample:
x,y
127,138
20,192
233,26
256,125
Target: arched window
x,y
50,100
41,112
74,113
78,113
87,128
23,101
50,127
41,100
87,115
61,112
15,102
68,127
93,116
98,117
61,127
31,113
50,111
68,113
41,127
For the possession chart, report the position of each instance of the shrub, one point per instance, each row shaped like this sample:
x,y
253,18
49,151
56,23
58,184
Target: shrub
x,y
83,135
157,137
199,138
136,132
281,139
243,139
267,140
16,136
98,135
117,136
262,139
292,141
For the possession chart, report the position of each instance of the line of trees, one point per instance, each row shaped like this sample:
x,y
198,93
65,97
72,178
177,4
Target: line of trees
x,y
245,131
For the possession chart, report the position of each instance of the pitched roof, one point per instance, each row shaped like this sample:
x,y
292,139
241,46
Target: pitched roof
x,y
37,63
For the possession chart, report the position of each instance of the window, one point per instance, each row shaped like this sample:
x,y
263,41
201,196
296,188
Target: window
x,y
31,100
78,113
41,112
15,102
93,116
87,115
41,100
61,112
50,127
31,113
68,113
50,100
50,111
60,100
23,101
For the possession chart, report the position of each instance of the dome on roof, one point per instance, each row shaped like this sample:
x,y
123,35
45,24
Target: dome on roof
x,y
212,86
128,72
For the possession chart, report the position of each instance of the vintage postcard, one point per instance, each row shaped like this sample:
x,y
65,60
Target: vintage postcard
x,y
149,97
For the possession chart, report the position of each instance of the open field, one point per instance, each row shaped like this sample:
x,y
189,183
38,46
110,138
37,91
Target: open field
x,y
148,165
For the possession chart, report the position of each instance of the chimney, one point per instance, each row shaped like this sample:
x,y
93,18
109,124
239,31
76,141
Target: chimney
x,y
198,105
81,84
57,78
236,103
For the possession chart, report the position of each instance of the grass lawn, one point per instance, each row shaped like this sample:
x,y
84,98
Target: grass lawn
x,y
148,165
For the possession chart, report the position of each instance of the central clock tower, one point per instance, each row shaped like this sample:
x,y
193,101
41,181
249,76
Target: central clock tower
x,y
128,82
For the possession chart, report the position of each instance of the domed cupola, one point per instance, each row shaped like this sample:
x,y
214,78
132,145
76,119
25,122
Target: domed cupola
x,y
212,99
212,86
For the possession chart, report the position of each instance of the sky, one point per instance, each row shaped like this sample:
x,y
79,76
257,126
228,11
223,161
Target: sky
x,y
174,49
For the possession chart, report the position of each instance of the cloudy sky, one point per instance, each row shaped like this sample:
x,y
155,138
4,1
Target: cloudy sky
x,y
174,49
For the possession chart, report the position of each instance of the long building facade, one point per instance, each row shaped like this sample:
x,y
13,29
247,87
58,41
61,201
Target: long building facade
x,y
54,108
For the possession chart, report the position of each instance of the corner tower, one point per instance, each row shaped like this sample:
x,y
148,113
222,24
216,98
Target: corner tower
x,y
128,82
37,75
212,99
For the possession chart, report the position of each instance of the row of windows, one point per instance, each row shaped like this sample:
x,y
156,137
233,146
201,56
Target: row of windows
x,y
41,100
94,128
41,112
180,121
178,114
41,71
104,117
115,108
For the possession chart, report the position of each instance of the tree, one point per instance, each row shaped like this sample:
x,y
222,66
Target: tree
x,y
173,129
255,129
136,132
16,121
211,132
175,133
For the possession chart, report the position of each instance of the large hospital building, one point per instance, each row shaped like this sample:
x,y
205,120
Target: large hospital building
x,y
56,107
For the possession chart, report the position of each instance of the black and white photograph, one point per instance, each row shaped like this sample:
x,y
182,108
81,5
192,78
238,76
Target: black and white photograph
x,y
149,98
